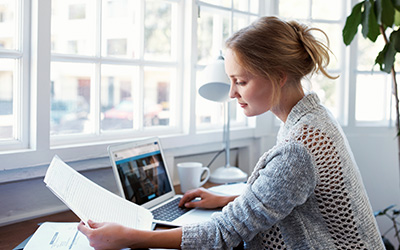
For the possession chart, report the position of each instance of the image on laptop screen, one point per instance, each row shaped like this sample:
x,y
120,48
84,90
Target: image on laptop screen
x,y
142,173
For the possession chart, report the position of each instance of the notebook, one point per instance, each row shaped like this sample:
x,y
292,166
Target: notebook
x,y
142,177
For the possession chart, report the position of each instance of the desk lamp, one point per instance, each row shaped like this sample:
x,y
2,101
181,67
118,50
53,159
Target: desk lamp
x,y
215,88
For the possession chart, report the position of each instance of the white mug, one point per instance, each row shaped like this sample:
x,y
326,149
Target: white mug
x,y
190,175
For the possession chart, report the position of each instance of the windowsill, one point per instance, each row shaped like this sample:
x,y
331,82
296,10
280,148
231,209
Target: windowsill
x,y
29,164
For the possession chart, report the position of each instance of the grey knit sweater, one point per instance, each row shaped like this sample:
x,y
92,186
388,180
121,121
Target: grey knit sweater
x,y
304,193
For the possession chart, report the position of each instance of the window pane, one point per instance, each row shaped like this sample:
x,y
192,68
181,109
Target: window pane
x,y
294,9
254,8
8,26
373,97
322,9
157,35
7,115
70,98
212,30
246,5
327,90
242,5
335,42
117,104
367,52
73,27
157,100
239,21
122,42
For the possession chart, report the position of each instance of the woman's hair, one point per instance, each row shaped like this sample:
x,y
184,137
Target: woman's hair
x,y
272,47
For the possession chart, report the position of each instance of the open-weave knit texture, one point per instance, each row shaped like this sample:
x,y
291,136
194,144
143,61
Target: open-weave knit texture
x,y
304,193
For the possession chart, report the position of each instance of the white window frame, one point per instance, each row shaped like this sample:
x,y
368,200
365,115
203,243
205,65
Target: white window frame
x,y
32,160
21,80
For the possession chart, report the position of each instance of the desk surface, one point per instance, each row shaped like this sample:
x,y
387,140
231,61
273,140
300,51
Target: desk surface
x,y
12,235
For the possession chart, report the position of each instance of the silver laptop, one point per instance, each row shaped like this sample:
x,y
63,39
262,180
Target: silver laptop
x,y
142,177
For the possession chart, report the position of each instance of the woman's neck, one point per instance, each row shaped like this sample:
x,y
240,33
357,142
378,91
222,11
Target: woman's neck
x,y
290,96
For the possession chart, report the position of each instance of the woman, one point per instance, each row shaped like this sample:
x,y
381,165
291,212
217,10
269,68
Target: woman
x,y
304,193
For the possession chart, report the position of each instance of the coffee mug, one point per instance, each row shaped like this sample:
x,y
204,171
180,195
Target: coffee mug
x,y
190,175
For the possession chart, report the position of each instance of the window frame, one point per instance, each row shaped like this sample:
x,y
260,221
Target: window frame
x,y
30,155
98,60
32,160
21,79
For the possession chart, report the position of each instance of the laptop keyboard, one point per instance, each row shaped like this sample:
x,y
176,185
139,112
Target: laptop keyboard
x,y
169,211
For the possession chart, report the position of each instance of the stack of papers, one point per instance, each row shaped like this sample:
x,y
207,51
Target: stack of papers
x,y
58,235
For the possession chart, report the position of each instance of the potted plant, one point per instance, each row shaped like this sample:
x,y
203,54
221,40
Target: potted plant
x,y
380,17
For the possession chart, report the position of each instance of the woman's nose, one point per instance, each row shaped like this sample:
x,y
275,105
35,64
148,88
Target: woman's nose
x,y
232,91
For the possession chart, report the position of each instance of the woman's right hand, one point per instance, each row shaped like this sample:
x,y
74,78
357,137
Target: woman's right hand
x,y
207,199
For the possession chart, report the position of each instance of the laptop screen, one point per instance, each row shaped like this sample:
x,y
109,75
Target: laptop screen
x,y
142,172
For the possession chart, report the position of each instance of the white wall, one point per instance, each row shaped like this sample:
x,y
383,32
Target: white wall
x,y
376,156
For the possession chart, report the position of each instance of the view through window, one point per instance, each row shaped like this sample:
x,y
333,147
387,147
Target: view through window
x,y
122,82
11,57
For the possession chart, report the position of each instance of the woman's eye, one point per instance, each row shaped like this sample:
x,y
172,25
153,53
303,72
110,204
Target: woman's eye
x,y
240,83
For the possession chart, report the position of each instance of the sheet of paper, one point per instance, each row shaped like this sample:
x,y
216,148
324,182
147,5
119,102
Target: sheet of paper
x,y
229,189
58,235
91,201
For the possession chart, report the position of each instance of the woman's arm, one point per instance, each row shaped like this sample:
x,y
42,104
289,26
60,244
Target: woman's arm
x,y
114,236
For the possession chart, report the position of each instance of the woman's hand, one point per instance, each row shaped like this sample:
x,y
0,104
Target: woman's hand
x,y
104,235
207,199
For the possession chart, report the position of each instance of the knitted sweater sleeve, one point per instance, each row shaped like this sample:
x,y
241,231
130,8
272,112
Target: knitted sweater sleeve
x,y
286,181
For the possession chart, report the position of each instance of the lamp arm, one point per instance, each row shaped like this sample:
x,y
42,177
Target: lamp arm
x,y
227,119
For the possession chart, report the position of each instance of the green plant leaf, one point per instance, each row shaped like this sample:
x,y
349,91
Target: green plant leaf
x,y
370,27
352,23
396,17
365,18
385,12
395,39
385,58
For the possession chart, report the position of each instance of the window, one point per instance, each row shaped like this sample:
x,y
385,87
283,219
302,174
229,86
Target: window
x,y
13,71
329,18
361,96
373,87
73,83
121,79
110,70
217,20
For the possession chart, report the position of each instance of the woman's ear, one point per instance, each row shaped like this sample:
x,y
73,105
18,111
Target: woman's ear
x,y
282,79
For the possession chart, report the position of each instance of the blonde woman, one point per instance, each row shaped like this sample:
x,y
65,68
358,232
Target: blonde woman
x,y
304,193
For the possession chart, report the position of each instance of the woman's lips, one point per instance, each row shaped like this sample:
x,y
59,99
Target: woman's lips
x,y
242,105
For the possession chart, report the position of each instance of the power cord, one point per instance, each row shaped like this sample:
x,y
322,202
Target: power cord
x,y
215,157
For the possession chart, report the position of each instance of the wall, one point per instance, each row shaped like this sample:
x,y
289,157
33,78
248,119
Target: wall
x,y
376,156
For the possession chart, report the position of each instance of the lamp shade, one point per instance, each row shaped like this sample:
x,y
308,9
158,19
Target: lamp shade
x,y
215,85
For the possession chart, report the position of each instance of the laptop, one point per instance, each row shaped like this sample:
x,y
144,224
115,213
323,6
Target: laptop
x,y
142,177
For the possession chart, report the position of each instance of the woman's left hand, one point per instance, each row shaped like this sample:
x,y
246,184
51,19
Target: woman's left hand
x,y
106,235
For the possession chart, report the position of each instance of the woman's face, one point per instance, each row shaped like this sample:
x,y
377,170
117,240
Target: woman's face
x,y
253,93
